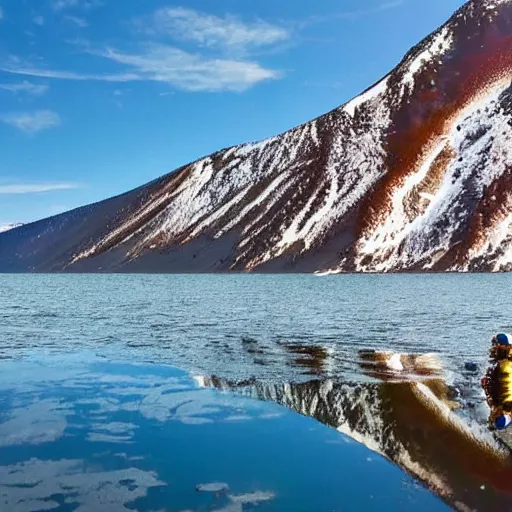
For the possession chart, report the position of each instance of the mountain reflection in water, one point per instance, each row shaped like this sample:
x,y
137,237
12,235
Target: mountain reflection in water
x,y
409,417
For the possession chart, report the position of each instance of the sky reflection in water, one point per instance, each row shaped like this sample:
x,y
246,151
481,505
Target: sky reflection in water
x,y
80,434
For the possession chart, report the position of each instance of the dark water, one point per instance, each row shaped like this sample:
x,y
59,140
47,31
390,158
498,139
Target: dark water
x,y
94,417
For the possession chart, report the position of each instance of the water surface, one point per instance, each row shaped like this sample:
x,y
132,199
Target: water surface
x,y
78,433
212,323
290,341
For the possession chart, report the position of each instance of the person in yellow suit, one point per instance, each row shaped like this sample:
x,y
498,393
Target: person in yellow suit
x,y
497,383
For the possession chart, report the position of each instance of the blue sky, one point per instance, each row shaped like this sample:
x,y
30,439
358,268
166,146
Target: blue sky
x,y
100,96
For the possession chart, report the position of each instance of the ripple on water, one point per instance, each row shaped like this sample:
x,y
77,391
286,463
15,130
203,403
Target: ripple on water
x,y
201,322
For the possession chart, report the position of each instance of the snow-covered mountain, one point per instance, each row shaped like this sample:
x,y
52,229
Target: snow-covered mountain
x,y
412,175
8,227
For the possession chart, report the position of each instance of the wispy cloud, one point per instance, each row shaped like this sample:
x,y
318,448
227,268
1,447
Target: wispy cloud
x,y
227,33
78,21
35,188
38,20
25,87
32,122
64,4
1,13
27,70
162,63
60,5
191,72
386,6
218,56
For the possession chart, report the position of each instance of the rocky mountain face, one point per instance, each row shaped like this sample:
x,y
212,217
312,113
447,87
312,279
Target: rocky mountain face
x,y
412,175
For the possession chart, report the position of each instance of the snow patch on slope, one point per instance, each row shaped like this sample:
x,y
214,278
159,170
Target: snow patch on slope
x,y
9,227
376,90
205,198
492,5
481,138
440,44
270,190
497,244
382,244
356,161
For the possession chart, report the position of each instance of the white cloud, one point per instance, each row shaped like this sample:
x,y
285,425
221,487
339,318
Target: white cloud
x,y
38,20
191,72
25,87
26,70
32,122
35,188
220,62
40,422
59,5
92,490
163,63
79,22
227,33
1,13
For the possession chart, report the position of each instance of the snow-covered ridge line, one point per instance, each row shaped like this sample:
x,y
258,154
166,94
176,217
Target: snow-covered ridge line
x,y
440,44
376,90
9,227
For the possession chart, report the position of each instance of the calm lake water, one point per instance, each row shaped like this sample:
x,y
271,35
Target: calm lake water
x,y
78,433
94,415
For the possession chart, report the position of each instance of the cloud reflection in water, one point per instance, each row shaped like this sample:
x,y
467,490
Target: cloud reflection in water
x,y
88,435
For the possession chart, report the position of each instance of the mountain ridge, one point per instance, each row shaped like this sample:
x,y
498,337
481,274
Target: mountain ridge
x,y
411,175
9,227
